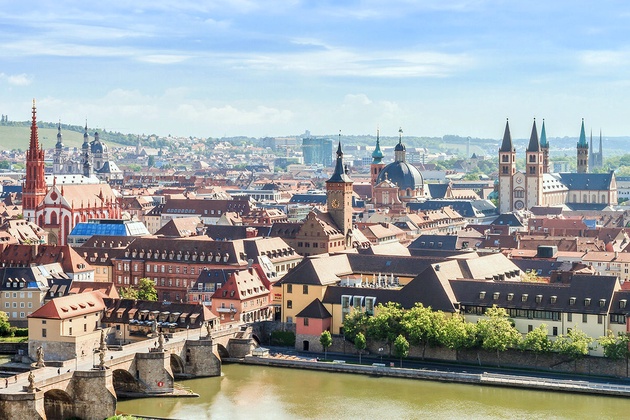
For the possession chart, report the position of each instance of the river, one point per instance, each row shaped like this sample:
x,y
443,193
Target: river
x,y
248,392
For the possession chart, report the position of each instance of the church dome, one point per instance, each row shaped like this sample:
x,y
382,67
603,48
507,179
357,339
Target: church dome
x,y
98,147
404,175
399,147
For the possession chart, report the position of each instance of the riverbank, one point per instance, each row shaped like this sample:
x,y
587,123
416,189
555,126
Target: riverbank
x,y
484,378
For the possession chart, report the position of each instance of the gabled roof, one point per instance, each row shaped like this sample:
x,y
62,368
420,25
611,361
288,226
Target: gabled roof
x,y
71,306
587,181
315,310
180,227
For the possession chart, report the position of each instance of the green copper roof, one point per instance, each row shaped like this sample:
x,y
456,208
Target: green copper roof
x,y
582,142
543,137
377,155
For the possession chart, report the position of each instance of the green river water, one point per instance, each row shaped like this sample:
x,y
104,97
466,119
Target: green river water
x,y
257,392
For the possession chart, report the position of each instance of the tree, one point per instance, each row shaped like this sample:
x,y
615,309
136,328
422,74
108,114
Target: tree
x,y
385,325
5,328
496,331
354,323
144,291
401,347
457,333
615,348
5,164
422,326
537,340
326,341
151,161
574,344
360,344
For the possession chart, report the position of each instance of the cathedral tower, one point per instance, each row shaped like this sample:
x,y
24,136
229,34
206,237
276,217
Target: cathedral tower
x,y
534,170
544,145
34,187
507,168
377,165
582,152
339,196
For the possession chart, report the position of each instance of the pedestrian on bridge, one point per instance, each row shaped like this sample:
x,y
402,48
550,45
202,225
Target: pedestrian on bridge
x,y
6,383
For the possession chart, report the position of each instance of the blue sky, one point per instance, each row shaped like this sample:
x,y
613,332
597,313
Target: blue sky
x,y
273,68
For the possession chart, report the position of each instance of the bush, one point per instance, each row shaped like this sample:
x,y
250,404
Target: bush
x,y
20,332
283,338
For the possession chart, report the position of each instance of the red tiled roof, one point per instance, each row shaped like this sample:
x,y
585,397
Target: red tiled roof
x,y
71,306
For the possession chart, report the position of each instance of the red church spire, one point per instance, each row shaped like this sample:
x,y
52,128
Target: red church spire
x,y
34,188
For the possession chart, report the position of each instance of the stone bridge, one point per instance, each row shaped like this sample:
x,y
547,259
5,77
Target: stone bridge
x,y
78,389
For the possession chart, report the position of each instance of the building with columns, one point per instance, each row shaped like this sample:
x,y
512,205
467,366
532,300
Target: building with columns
x,y
537,186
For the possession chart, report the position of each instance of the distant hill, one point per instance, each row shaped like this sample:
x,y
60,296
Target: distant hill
x,y
16,135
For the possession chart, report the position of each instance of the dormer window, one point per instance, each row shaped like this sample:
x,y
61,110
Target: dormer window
x,y
572,300
510,296
622,303
482,295
602,303
495,295
524,297
539,298
553,299
587,301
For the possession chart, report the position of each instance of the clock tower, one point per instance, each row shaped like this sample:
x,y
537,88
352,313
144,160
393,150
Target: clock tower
x,y
339,196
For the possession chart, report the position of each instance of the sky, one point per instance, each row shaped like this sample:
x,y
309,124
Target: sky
x,y
277,68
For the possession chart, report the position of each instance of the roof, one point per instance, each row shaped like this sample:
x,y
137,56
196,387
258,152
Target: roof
x,y
404,175
110,227
71,306
584,294
339,175
467,208
587,181
506,144
315,310
181,227
534,144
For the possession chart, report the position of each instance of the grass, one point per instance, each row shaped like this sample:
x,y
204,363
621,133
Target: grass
x,y
13,339
18,137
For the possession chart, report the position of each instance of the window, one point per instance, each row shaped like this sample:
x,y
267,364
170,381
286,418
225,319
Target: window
x,y
584,318
70,331
305,289
570,317
530,328
600,319
289,304
44,332
289,320
84,327
289,288
306,322
555,330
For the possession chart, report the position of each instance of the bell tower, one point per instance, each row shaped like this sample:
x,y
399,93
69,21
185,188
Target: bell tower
x,y
582,152
34,187
339,196
377,165
534,170
507,169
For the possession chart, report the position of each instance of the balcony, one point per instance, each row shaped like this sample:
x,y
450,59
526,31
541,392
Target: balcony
x,y
226,310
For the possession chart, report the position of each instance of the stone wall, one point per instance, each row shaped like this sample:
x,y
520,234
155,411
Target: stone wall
x,y
12,348
93,394
201,359
155,370
22,406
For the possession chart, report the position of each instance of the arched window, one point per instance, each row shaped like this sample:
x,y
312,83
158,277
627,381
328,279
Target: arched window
x,y
66,226
53,218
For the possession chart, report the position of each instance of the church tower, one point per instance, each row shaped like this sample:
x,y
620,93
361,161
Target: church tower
x,y
582,152
534,170
59,159
507,169
86,161
377,165
400,151
339,196
544,145
34,187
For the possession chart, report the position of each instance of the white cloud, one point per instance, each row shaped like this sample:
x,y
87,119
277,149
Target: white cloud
x,y
163,58
16,79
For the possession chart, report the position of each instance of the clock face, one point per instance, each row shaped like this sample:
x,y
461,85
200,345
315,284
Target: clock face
x,y
334,203
519,204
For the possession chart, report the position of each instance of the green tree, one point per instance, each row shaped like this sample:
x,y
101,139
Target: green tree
x,y
354,323
401,347
326,341
5,328
457,333
615,347
360,344
144,291
422,326
151,161
386,324
5,164
496,331
537,340
574,344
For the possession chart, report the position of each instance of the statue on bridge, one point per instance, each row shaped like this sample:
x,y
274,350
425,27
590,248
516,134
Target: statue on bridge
x,y
40,357
161,342
31,381
101,357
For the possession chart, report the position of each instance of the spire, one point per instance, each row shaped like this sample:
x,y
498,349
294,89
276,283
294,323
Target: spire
x,y
543,136
377,155
34,143
506,145
600,143
591,142
582,141
59,136
534,144
340,174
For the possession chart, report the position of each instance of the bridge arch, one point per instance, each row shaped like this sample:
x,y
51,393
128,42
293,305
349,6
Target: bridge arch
x,y
177,365
58,404
223,352
125,382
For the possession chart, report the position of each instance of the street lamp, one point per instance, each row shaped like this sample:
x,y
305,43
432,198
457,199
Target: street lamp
x,y
187,327
380,353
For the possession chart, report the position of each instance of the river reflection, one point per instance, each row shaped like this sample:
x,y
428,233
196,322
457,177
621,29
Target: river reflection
x,y
248,392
